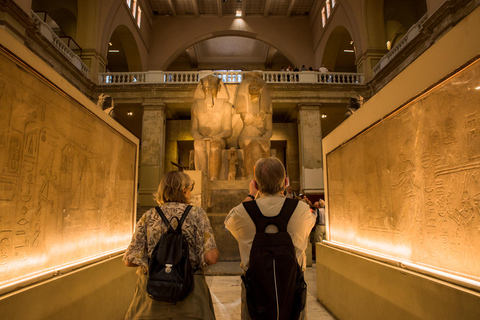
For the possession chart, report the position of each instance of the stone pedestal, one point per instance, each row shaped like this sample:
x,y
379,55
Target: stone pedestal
x,y
224,196
310,145
152,152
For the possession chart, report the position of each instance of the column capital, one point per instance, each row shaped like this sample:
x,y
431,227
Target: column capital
x,y
308,106
154,106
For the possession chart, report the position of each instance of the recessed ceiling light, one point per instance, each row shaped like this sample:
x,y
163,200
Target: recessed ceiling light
x,y
129,113
239,13
324,115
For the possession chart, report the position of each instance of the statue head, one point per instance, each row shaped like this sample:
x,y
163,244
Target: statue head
x,y
210,87
254,89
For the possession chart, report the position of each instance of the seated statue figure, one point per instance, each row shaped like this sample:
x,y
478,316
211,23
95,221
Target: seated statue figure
x,y
211,124
254,105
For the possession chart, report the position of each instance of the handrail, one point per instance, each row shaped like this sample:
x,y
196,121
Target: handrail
x,y
411,34
49,34
189,77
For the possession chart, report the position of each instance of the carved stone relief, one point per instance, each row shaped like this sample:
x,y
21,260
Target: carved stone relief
x,y
67,179
409,187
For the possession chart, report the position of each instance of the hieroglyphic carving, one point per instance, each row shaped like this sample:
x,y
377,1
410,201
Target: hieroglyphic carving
x,y
67,179
409,187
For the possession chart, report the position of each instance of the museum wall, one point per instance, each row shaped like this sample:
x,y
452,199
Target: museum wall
x,y
119,15
402,188
68,174
345,13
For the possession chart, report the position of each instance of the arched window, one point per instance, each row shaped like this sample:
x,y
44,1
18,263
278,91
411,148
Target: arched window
x,y
324,18
139,17
134,8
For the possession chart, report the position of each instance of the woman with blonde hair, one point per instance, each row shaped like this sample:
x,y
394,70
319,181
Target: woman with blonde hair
x,y
173,196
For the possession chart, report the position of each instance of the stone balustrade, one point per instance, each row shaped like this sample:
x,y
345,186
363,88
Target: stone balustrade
x,y
411,34
181,77
50,35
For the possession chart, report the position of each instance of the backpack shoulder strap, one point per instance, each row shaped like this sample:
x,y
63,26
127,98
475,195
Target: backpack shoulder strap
x,y
184,216
280,220
164,219
287,210
254,212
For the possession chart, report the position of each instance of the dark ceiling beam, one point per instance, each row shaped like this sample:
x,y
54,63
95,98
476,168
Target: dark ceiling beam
x,y
290,8
172,8
267,8
219,8
195,8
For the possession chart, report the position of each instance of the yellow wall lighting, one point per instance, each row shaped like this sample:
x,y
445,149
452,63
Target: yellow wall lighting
x,y
409,265
15,284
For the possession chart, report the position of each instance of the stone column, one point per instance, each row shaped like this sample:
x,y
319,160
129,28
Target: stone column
x,y
310,148
368,61
152,152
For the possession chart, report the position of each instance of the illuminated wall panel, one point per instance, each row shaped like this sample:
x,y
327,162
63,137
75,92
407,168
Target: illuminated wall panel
x,y
409,187
67,178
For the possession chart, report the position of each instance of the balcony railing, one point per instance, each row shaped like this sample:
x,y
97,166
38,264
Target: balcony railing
x,y
58,43
411,34
182,77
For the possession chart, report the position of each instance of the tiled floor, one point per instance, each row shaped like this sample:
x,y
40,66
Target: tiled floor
x,y
225,291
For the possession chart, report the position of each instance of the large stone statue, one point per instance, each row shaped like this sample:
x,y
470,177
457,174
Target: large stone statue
x,y
254,105
211,124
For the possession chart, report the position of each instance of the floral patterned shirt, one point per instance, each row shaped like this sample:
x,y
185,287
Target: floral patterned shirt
x,y
150,228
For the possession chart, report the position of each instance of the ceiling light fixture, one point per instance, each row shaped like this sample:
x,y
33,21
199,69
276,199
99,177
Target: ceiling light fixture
x,y
239,13
348,50
113,50
129,113
110,44
477,88
324,115
351,42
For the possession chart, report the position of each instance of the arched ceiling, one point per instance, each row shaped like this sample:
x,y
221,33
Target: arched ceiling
x,y
230,52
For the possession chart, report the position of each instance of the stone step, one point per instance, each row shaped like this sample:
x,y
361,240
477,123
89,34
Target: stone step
x,y
224,268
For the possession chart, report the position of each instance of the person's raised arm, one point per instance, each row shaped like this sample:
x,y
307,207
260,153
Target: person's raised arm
x,y
252,191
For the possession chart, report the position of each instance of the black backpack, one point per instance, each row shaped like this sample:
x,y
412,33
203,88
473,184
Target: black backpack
x,y
170,273
274,282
